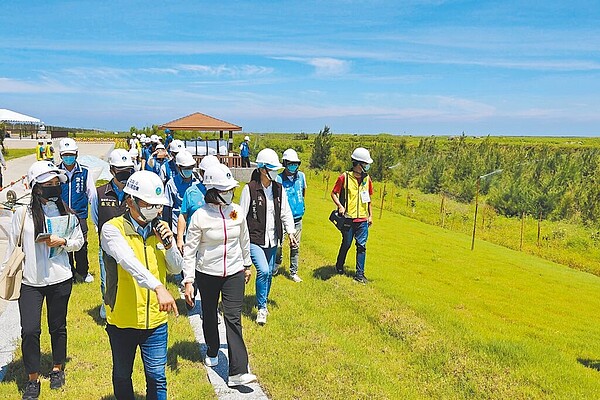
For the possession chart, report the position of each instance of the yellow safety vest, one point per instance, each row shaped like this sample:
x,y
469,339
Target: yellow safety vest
x,y
49,152
136,307
356,208
40,152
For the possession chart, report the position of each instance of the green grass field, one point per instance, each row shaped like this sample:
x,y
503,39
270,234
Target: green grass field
x,y
436,321
16,153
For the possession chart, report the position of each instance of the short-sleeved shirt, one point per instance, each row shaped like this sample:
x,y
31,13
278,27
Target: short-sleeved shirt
x,y
294,186
353,195
193,199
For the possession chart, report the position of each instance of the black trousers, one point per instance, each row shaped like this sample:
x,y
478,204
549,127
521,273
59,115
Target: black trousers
x,y
231,289
30,309
245,162
79,259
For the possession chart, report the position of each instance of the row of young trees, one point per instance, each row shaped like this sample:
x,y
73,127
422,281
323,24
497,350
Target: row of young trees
x,y
555,182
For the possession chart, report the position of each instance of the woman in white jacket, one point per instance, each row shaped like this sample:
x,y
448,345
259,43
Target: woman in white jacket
x,y
217,258
46,270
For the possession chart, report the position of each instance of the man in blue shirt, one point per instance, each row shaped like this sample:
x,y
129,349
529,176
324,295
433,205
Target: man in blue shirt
x,y
177,186
77,193
294,183
170,169
245,152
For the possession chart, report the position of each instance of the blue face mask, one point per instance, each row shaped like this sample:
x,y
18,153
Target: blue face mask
x,y
186,173
69,160
293,168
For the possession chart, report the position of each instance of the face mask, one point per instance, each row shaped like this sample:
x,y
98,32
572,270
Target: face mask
x,y
186,173
69,160
149,213
293,168
366,167
272,174
227,197
51,193
122,176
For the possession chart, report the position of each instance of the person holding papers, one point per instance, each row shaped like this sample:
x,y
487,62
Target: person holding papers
x,y
49,232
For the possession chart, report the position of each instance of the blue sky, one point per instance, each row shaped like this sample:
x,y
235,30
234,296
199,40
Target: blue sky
x,y
400,67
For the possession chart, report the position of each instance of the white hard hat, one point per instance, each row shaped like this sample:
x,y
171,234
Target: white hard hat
x,y
148,186
219,177
208,161
160,146
290,155
41,141
142,135
146,140
176,146
361,154
120,158
43,171
247,138
133,134
185,159
67,145
269,159
154,138
133,152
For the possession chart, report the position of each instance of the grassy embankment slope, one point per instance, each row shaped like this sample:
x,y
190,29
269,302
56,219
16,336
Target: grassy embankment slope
x,y
437,321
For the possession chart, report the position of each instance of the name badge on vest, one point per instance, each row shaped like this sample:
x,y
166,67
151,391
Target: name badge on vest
x,y
160,246
364,197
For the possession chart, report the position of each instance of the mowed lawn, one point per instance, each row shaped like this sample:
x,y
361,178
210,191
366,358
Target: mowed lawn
x,y
436,321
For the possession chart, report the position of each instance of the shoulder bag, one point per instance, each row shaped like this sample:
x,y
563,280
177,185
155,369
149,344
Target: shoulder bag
x,y
340,221
12,275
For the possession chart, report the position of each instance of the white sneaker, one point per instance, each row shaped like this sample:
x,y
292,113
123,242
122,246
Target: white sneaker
x,y
261,316
241,379
102,311
88,278
211,361
296,278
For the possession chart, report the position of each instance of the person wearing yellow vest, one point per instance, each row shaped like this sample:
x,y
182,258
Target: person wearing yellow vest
x,y
40,151
352,195
49,151
139,253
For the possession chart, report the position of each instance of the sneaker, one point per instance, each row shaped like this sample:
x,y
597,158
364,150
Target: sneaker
x,y
32,390
241,379
88,278
261,316
102,311
211,361
361,279
340,271
57,379
276,270
296,278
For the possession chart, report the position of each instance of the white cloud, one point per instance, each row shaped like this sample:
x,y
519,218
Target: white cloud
x,y
225,70
8,85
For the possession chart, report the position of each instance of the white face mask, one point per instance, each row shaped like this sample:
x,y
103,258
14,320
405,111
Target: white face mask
x,y
149,213
273,174
227,197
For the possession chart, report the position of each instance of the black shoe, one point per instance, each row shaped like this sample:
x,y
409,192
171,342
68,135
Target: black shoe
x,y
339,270
57,379
361,279
32,390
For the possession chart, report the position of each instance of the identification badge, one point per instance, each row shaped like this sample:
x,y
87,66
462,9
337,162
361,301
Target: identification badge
x,y
364,197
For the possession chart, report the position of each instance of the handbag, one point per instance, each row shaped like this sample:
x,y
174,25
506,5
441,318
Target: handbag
x,y
340,221
12,275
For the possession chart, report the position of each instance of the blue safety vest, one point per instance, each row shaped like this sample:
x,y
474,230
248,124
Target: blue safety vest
x,y
294,186
74,191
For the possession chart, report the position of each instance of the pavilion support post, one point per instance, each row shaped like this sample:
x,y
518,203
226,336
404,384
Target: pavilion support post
x,y
230,142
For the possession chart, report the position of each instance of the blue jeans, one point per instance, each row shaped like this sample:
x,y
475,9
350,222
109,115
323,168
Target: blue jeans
x,y
360,232
264,261
153,346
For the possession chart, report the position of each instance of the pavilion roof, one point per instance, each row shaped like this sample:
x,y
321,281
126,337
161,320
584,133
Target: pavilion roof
x,y
200,122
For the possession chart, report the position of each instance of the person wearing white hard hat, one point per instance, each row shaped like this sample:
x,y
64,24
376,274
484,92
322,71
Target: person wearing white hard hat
x,y
193,199
176,186
47,231
170,170
245,152
110,203
139,251
135,158
294,183
218,236
158,159
49,151
77,192
352,196
268,214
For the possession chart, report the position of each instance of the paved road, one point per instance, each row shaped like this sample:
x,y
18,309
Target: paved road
x,y
10,328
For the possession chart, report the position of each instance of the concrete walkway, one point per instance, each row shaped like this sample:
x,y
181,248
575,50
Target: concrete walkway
x,y
10,328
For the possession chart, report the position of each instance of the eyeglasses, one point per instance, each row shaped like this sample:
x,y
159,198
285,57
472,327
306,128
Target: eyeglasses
x,y
149,206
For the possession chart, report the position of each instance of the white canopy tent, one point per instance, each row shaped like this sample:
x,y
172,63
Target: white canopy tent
x,y
13,117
